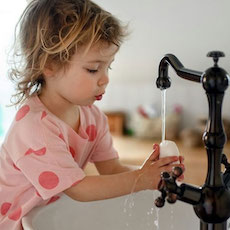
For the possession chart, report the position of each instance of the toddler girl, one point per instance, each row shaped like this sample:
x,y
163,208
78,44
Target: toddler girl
x,y
64,51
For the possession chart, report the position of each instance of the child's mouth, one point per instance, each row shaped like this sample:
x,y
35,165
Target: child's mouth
x,y
99,97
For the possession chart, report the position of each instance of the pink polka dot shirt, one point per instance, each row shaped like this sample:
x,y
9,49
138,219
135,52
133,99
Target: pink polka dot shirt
x,y
42,156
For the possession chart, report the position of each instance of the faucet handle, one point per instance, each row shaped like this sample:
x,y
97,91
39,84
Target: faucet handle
x,y
215,55
160,201
167,186
177,172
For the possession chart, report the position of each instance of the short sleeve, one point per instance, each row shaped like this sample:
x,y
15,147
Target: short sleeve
x,y
45,159
50,176
104,149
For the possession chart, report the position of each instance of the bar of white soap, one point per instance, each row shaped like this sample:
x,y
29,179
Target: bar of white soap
x,y
168,148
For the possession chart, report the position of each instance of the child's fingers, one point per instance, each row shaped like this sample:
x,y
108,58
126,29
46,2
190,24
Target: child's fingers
x,y
180,178
181,159
166,161
169,168
155,153
179,165
155,146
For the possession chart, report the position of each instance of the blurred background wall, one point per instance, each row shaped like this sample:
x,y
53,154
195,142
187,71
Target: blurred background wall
x,y
188,29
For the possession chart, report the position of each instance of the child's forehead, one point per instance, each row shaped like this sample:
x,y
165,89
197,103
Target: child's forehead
x,y
98,51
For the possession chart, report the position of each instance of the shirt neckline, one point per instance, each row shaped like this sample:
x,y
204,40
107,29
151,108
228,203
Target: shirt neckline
x,y
80,132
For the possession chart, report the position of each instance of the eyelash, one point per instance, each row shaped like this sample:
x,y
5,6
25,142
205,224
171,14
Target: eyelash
x,y
95,70
92,70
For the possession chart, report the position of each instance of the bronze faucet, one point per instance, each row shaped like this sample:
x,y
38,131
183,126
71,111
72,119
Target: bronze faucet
x,y
211,202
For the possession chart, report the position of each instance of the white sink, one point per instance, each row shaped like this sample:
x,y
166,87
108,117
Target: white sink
x,y
112,214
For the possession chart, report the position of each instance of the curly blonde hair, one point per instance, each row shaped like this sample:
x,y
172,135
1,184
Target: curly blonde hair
x,y
50,31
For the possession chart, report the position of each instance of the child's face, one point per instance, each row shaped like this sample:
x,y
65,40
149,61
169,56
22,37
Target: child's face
x,y
85,79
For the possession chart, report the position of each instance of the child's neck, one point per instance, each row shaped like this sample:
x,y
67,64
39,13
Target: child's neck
x,y
67,112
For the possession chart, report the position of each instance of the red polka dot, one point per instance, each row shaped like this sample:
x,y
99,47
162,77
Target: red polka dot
x,y
5,208
61,136
22,112
16,214
53,199
72,151
39,152
48,180
92,132
29,151
43,114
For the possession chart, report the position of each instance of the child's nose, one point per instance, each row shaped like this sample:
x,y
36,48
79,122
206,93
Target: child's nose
x,y
104,80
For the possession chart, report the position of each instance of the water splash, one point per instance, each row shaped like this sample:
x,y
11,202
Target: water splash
x,y
156,222
163,112
171,218
129,203
151,215
128,208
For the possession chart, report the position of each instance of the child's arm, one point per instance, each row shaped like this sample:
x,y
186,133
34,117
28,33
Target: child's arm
x,y
109,186
113,166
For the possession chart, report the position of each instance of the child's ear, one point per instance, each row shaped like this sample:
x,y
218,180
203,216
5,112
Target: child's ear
x,y
49,70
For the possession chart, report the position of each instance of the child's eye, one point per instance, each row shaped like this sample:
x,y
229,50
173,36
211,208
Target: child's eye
x,y
110,68
92,70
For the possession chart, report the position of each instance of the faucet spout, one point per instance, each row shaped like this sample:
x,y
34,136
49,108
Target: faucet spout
x,y
163,80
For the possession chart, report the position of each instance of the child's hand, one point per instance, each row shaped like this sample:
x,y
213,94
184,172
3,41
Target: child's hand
x,y
153,167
